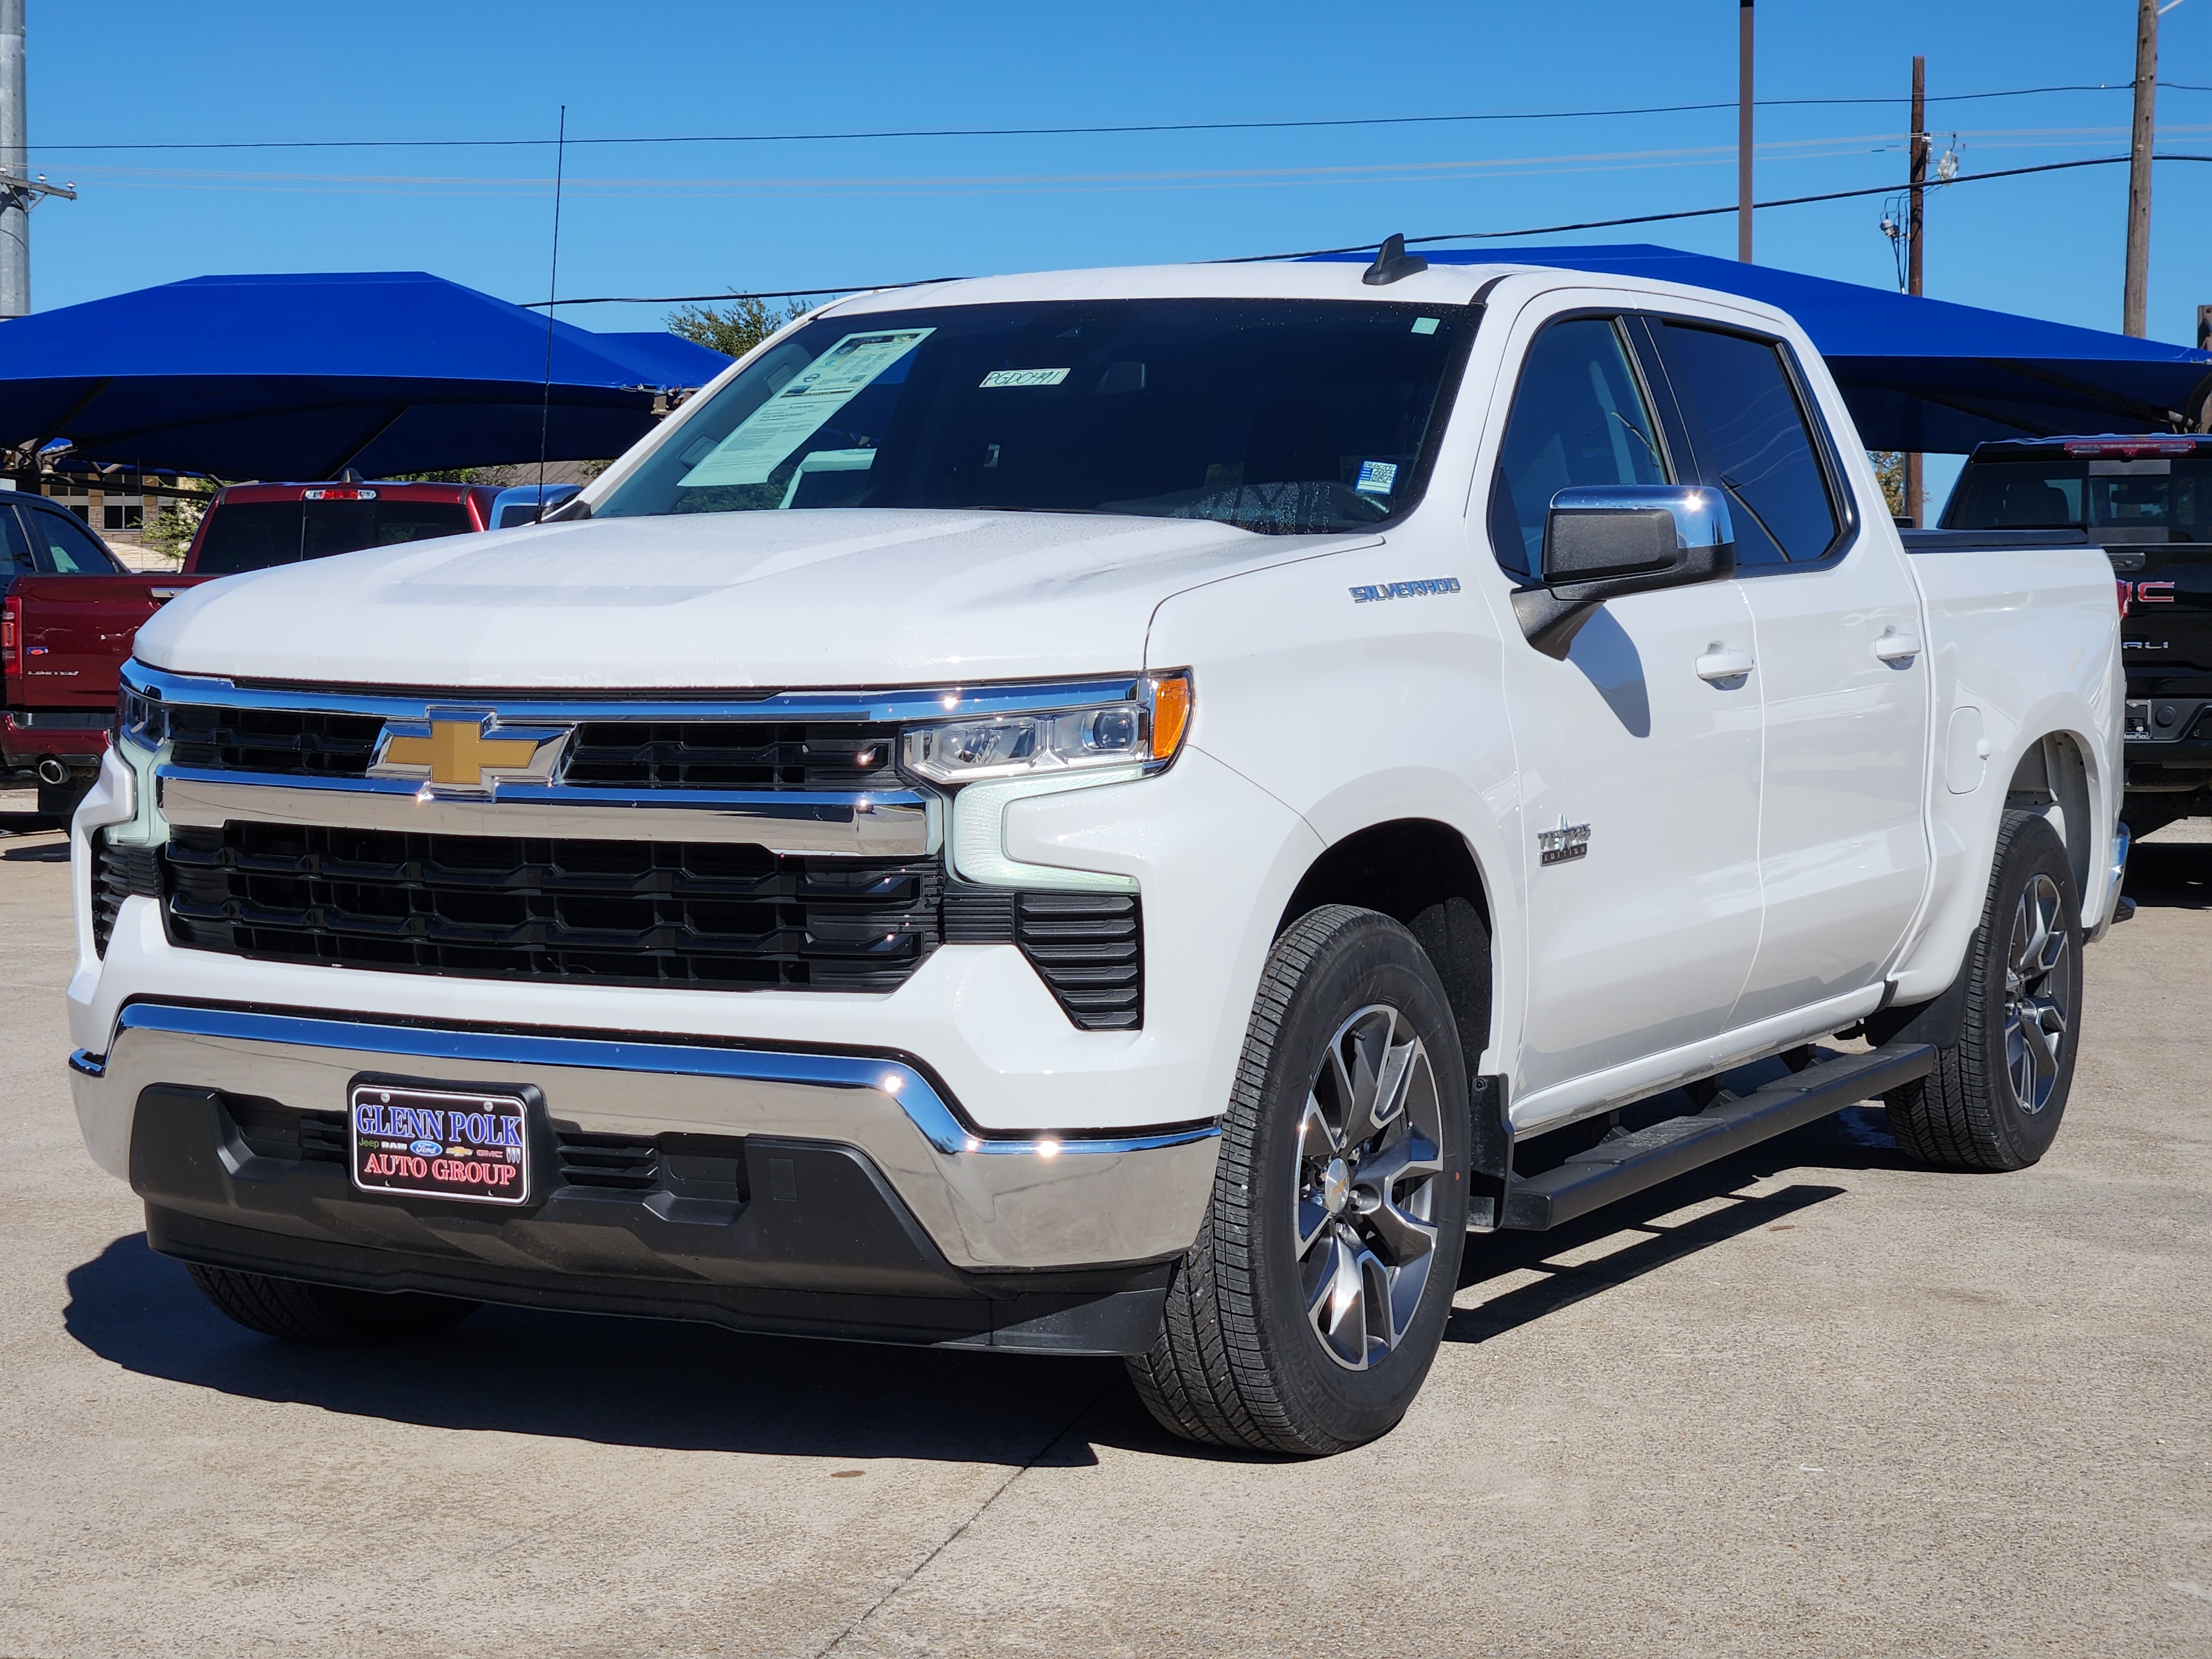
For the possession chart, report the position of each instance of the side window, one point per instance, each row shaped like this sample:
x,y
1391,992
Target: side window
x,y
1578,417
1753,439
14,548
60,546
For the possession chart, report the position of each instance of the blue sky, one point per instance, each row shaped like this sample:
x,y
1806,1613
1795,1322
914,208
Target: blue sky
x,y
670,219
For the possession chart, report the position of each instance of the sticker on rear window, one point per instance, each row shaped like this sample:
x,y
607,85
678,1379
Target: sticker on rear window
x,y
1377,477
999,377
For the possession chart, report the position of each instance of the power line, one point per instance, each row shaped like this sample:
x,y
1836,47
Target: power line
x,y
1362,247
1702,213
1116,128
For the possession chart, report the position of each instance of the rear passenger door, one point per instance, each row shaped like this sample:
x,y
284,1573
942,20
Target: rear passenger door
x,y
1843,852
75,629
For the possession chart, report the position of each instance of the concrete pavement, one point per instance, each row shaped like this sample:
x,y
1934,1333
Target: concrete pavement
x,y
1812,1402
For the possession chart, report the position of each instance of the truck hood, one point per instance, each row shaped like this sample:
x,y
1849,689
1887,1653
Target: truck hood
x,y
827,597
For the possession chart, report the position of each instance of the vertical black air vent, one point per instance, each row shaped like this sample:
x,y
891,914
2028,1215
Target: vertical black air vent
x,y
1089,948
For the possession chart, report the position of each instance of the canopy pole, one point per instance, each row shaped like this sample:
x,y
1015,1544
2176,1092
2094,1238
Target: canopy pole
x,y
1743,196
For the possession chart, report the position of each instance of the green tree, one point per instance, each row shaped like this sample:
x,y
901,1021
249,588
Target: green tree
x,y
170,532
1889,467
735,329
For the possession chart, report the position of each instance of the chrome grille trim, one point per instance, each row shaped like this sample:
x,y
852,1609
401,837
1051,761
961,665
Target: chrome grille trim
x,y
878,823
553,707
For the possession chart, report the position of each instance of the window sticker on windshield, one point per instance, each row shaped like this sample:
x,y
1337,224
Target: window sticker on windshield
x,y
802,407
999,377
1377,477
1425,325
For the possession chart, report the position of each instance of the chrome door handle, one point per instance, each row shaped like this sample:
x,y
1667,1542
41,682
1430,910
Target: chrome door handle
x,y
1723,664
1894,647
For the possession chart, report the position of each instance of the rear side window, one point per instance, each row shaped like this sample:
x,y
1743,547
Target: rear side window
x,y
254,535
1579,417
15,546
1753,439
60,546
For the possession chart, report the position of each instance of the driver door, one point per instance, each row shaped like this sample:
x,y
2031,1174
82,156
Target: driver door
x,y
1641,941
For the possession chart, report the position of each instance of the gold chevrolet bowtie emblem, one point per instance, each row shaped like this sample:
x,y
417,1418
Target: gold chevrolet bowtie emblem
x,y
466,749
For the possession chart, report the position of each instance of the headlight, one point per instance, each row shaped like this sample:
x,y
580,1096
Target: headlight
x,y
1146,730
141,719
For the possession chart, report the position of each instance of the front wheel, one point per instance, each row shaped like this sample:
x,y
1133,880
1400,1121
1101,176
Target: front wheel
x,y
1996,1096
1306,1314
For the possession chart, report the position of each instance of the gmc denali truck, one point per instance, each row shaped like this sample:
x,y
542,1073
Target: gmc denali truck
x,y
2147,501
1116,812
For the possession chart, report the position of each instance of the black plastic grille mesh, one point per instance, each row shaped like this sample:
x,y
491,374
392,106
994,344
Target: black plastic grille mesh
x,y
650,913
730,755
275,740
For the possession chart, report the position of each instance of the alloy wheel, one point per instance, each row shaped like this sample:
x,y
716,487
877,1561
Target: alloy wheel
x,y
2038,993
1370,1154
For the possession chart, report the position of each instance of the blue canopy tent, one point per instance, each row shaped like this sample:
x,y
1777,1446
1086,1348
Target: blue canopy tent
x,y
303,376
1927,374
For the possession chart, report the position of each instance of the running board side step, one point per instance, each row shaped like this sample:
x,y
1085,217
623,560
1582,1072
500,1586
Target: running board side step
x,y
1615,1168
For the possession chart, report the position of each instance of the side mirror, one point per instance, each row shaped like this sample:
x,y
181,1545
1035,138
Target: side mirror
x,y
1603,541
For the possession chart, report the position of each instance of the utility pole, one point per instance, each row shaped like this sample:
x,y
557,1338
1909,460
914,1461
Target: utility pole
x,y
2135,304
1912,484
19,192
1743,131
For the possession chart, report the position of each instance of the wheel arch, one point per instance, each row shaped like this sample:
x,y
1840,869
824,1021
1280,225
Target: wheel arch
x,y
2055,779
1420,871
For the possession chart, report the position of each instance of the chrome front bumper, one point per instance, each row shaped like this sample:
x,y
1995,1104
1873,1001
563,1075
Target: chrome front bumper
x,y
987,1201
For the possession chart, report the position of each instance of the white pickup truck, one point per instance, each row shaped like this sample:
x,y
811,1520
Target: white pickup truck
x,y
1120,811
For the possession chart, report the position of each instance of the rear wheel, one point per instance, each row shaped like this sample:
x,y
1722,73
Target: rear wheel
x,y
1305,1316
1996,1096
325,1315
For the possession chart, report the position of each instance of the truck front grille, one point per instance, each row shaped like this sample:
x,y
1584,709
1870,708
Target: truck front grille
x,y
632,755
713,917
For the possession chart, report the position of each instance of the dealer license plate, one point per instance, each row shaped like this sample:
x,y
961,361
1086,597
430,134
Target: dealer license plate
x,y
439,1143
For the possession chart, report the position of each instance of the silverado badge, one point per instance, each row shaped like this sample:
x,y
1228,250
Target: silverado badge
x,y
1569,840
466,750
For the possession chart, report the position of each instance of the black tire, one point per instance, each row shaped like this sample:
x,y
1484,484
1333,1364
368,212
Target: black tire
x,y
1970,1112
1238,1362
325,1315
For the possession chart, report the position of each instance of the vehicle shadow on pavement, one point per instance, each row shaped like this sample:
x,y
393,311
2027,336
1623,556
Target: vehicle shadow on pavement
x,y
26,824
2170,875
1857,1139
626,1381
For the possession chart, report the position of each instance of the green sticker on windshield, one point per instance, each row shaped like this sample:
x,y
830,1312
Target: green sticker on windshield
x,y
804,405
1425,325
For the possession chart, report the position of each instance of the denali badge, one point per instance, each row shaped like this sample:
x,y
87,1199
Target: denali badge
x,y
466,751
1420,590
1569,840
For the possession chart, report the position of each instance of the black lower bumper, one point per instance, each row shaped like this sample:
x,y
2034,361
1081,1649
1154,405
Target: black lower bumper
x,y
788,1237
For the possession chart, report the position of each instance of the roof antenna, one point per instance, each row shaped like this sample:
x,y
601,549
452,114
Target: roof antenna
x,y
552,290
1393,262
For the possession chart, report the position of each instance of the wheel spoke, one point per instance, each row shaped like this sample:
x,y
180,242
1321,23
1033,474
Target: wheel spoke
x,y
1336,1302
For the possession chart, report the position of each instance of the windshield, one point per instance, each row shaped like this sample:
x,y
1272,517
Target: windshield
x,y
2154,499
1284,416
254,535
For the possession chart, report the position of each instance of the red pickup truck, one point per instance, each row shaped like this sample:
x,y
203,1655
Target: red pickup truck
x,y
252,526
69,609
